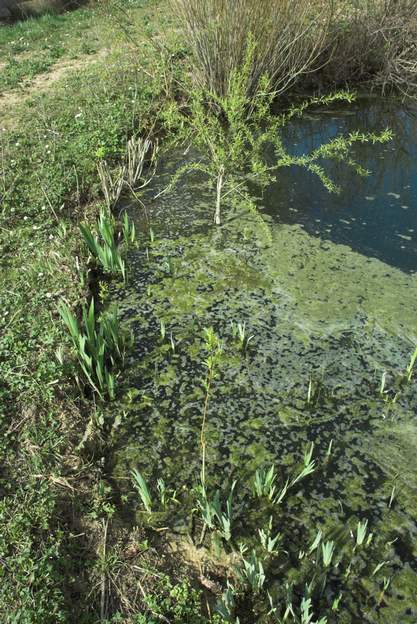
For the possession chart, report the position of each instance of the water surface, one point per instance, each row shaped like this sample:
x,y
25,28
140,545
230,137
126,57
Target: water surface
x,y
377,215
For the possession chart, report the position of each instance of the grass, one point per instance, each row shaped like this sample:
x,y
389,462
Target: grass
x,y
48,185
32,47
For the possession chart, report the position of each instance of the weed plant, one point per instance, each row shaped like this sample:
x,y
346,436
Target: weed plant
x,y
99,344
104,246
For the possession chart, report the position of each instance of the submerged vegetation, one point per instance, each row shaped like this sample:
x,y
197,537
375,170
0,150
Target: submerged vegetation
x,y
150,450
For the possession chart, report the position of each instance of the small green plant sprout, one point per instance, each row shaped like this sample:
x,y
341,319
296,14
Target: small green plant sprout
x,y
309,391
227,604
361,533
213,514
307,614
379,567
269,542
308,468
392,496
251,572
282,493
239,333
304,616
162,329
264,483
276,610
165,494
103,247
128,230
411,365
336,602
386,582
315,546
327,551
99,346
382,385
265,480
151,236
172,342
143,490
329,450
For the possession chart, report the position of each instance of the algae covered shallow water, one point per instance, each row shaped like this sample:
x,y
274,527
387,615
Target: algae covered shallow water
x,y
375,216
327,288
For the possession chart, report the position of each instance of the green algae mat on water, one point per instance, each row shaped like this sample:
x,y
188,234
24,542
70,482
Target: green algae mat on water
x,y
331,334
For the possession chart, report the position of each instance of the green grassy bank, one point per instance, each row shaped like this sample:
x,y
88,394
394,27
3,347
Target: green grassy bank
x,y
52,499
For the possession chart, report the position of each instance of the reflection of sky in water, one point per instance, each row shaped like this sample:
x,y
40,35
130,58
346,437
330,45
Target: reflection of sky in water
x,y
376,216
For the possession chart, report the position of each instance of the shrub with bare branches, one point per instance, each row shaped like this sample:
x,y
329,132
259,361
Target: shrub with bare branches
x,y
289,37
334,43
374,41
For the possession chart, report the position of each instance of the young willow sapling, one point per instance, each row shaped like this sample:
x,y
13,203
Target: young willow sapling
x,y
232,134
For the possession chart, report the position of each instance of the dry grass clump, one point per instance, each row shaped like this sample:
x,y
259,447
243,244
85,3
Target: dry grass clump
x,y
289,37
374,41
21,9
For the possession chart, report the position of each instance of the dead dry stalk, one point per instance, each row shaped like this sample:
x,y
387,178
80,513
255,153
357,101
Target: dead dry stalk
x,y
111,183
138,152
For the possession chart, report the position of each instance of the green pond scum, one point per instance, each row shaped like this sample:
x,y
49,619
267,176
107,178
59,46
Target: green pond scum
x,y
326,323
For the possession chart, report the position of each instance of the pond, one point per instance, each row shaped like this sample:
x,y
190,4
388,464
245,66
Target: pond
x,y
375,216
327,289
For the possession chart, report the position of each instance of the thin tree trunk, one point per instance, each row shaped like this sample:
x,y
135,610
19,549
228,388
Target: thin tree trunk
x,y
103,610
220,177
